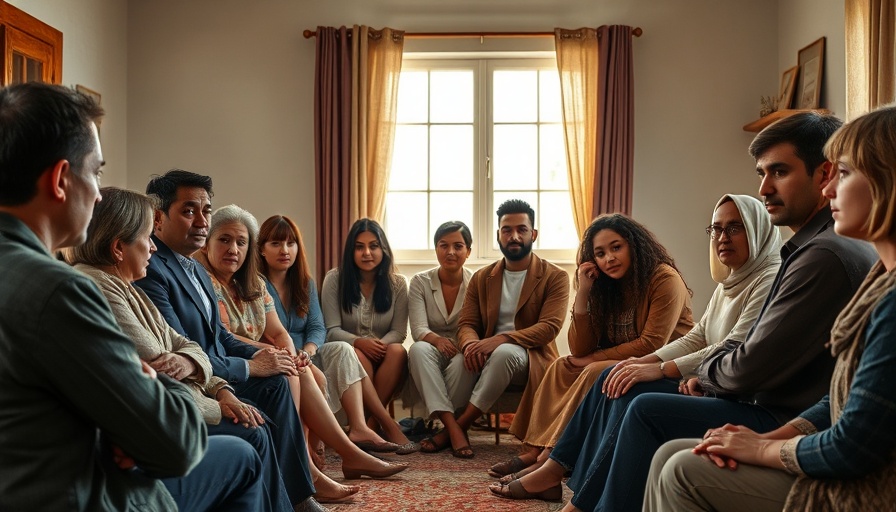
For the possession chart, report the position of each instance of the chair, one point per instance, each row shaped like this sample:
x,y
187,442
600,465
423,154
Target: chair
x,y
506,403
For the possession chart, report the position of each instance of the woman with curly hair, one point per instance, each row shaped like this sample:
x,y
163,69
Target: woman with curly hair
x,y
630,300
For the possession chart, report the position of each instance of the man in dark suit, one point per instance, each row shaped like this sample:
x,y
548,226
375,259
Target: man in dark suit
x,y
183,292
85,426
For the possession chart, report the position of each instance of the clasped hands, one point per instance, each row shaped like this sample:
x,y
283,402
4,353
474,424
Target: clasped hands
x,y
729,445
173,365
273,361
476,353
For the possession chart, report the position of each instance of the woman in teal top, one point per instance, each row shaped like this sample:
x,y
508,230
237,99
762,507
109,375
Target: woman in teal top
x,y
289,282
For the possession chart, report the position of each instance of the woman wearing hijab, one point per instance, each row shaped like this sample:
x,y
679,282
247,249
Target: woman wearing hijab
x,y
744,258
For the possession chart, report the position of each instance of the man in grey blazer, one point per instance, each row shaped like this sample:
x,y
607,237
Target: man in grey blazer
x,y
84,425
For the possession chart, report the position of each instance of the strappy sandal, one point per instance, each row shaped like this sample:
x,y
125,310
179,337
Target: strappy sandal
x,y
515,491
429,444
505,468
463,452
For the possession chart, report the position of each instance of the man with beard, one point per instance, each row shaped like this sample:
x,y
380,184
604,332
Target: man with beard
x,y
512,312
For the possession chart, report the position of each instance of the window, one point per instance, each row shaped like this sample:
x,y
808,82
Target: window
x,y
470,134
32,49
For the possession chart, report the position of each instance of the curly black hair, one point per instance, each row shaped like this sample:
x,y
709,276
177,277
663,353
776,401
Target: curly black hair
x,y
611,299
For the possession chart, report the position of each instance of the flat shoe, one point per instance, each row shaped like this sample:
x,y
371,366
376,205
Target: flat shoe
x,y
506,479
382,447
408,448
515,491
392,469
505,468
464,452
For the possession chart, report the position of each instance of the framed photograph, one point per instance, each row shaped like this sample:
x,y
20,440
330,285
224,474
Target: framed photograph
x,y
95,96
788,85
811,64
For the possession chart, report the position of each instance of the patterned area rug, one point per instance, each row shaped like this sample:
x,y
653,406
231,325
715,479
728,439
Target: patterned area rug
x,y
440,482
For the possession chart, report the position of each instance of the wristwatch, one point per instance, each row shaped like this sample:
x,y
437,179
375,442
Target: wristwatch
x,y
663,368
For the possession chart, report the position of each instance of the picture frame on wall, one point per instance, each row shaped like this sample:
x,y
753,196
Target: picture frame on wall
x,y
95,96
788,86
811,72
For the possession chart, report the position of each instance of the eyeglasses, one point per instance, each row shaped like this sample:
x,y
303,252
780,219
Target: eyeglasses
x,y
732,230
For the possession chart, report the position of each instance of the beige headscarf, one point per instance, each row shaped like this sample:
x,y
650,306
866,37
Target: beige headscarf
x,y
762,237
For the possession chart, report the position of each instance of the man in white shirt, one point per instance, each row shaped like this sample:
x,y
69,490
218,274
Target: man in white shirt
x,y
512,312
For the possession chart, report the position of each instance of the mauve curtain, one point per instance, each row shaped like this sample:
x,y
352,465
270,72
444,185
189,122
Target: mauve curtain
x,y
355,97
870,55
597,89
332,143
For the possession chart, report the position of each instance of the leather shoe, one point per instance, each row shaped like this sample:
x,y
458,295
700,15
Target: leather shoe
x,y
408,448
505,468
391,469
310,505
515,491
381,447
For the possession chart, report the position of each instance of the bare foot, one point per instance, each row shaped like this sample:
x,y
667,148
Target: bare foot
x,y
569,507
329,491
357,435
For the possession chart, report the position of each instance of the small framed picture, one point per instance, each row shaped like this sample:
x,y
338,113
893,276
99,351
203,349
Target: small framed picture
x,y
811,64
95,96
788,86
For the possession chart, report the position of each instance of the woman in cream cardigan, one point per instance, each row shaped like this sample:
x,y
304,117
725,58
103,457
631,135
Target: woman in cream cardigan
x,y
116,253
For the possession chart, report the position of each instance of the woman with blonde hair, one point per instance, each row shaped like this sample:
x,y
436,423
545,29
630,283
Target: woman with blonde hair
x,y
841,453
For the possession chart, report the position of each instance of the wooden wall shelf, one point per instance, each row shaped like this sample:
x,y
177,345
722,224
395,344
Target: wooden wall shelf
x,y
757,125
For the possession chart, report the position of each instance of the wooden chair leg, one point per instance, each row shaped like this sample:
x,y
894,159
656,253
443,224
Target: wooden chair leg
x,y
497,417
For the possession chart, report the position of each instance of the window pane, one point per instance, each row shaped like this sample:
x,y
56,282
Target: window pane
x,y
555,225
500,197
409,158
515,161
552,158
445,206
406,220
451,157
412,97
515,96
549,96
451,97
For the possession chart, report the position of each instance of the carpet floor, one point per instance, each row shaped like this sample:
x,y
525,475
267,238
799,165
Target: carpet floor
x,y
438,482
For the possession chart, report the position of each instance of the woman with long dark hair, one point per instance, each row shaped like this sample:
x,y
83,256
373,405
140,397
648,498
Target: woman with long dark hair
x,y
365,303
284,264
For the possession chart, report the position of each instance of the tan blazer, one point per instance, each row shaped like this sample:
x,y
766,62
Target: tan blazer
x,y
540,311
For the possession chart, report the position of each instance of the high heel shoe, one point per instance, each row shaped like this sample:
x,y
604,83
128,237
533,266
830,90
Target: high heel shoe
x,y
391,469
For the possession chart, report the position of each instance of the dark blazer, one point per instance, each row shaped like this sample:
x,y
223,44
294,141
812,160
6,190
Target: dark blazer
x,y
167,285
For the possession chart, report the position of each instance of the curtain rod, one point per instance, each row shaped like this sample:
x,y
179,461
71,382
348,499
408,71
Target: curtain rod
x,y
444,35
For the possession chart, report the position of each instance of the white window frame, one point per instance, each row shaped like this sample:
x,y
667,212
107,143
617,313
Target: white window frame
x,y
485,229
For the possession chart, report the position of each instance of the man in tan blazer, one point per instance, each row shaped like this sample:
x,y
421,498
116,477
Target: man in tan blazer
x,y
512,312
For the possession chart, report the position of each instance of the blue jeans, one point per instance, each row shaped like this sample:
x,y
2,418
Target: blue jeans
x,y
611,471
260,439
272,396
596,423
228,479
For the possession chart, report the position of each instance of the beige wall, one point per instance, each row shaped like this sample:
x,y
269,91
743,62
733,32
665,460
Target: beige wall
x,y
94,54
801,22
225,87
